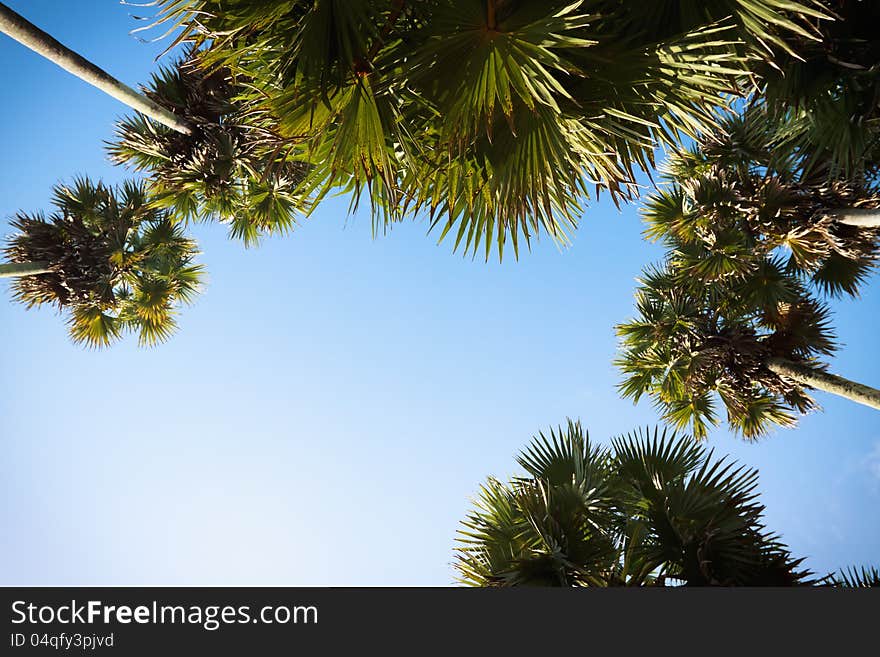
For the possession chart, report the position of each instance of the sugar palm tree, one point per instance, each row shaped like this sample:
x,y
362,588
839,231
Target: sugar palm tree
x,y
747,191
757,224
231,167
655,509
496,119
28,34
109,258
755,342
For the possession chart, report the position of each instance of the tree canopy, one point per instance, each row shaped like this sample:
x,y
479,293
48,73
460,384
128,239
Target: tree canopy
x,y
653,509
764,217
497,119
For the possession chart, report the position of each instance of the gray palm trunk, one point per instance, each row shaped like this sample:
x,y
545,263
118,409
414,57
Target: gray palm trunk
x,y
28,34
836,385
858,217
16,269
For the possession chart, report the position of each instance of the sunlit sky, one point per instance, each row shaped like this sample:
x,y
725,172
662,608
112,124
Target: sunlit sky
x,y
332,401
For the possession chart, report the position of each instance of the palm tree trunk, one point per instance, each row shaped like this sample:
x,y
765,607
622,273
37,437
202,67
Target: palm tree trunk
x,y
836,385
28,34
16,269
858,217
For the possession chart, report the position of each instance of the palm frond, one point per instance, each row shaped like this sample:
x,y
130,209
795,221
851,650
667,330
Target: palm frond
x,y
498,121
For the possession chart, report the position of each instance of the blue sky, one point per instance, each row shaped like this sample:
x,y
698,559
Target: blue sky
x,y
332,402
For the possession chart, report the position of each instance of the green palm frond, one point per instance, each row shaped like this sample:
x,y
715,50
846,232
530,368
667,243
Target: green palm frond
x,y
565,456
647,456
498,121
91,326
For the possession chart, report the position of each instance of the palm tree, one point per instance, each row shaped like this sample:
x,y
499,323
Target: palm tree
x,y
747,191
755,223
496,119
28,34
655,509
753,342
108,257
231,167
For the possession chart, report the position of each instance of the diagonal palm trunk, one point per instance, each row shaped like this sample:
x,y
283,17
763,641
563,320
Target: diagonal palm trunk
x,y
836,385
28,34
16,269
858,217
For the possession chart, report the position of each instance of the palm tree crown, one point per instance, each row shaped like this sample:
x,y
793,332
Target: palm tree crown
x,y
115,262
694,344
653,509
229,167
747,192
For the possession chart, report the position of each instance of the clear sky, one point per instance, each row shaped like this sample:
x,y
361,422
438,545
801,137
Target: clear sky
x,y
332,402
